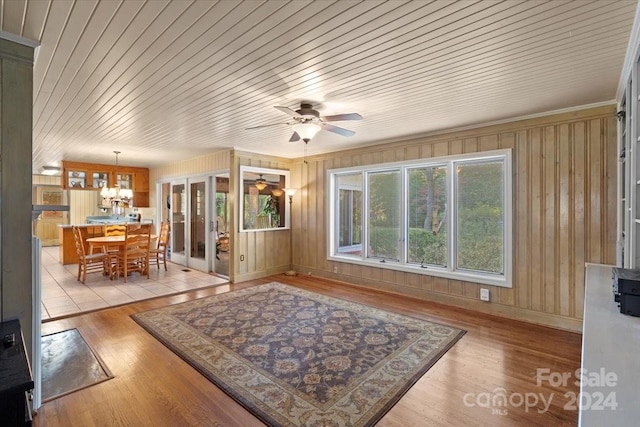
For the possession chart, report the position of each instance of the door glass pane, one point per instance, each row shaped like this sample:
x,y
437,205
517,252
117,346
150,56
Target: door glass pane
x,y
384,215
349,214
480,216
179,209
198,226
427,216
222,226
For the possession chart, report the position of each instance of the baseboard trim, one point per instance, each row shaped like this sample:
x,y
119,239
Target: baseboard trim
x,y
490,308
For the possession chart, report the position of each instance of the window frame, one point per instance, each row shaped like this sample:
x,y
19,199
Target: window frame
x,y
247,170
450,271
351,192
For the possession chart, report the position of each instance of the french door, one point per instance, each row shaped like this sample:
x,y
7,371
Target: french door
x,y
189,219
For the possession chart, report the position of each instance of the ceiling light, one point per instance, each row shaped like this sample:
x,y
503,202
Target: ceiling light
x,y
50,170
261,184
306,130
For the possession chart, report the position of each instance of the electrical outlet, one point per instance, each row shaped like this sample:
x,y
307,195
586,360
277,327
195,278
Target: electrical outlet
x,y
484,294
335,268
241,257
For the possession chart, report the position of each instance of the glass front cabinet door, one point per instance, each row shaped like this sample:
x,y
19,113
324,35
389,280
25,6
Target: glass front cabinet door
x,y
76,179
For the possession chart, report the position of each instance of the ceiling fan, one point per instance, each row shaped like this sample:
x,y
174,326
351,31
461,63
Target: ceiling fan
x,y
306,122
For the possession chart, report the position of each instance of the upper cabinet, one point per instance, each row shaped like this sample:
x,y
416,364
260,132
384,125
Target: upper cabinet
x,y
76,178
100,179
125,180
92,176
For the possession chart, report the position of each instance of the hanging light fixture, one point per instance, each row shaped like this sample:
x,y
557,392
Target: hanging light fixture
x,y
115,193
306,130
261,183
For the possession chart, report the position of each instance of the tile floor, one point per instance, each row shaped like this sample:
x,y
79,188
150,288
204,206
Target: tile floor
x,y
63,295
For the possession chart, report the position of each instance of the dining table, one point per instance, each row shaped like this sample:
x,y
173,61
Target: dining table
x,y
111,241
103,241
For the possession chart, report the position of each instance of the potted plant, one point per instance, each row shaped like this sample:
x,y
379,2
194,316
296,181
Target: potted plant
x,y
270,210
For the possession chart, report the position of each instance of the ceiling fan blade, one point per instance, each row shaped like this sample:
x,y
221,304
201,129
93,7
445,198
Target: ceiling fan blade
x,y
340,117
265,126
295,137
288,111
336,129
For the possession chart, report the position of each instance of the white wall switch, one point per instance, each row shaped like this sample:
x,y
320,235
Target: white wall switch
x,y
484,294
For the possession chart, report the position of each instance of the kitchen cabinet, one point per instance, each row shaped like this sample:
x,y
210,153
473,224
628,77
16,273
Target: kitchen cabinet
x,y
93,176
141,189
100,179
76,178
67,249
125,180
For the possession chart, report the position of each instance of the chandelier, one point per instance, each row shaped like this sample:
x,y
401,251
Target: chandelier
x,y
116,194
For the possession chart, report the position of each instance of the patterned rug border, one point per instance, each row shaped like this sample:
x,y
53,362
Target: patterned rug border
x,y
252,406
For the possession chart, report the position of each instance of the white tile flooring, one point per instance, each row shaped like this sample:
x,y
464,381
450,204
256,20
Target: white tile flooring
x,y
63,295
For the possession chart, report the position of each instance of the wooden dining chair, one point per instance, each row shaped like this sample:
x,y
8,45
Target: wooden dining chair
x,y
138,228
113,250
89,263
159,253
134,255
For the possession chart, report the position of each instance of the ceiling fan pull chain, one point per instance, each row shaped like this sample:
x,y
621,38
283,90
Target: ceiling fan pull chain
x,y
304,155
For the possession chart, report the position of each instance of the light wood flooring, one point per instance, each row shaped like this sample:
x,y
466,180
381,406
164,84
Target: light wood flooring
x,y
154,387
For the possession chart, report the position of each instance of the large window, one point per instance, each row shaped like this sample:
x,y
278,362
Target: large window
x,y
447,217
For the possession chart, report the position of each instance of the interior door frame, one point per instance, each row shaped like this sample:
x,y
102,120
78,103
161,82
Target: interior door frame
x,y
208,264
218,266
178,257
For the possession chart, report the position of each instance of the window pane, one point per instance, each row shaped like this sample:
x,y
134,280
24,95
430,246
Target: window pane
x,y
480,216
384,215
254,208
427,216
349,214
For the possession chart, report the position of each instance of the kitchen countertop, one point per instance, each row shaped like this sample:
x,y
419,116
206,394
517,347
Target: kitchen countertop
x,y
93,224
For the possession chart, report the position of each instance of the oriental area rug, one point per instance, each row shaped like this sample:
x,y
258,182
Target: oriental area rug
x,y
297,358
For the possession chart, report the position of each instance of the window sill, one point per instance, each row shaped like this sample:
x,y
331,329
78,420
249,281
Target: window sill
x,y
467,276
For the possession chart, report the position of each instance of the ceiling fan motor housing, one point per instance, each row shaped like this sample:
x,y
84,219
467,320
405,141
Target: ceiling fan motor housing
x,y
307,110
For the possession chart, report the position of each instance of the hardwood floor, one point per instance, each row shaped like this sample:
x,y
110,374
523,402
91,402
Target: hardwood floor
x,y
496,357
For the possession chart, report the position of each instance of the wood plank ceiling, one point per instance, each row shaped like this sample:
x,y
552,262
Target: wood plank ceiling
x,y
168,80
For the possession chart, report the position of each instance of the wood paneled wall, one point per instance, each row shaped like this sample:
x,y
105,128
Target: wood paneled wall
x,y
218,161
47,180
262,252
84,203
564,171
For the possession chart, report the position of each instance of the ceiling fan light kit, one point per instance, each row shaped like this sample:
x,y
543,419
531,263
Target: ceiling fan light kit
x,y
307,122
306,131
